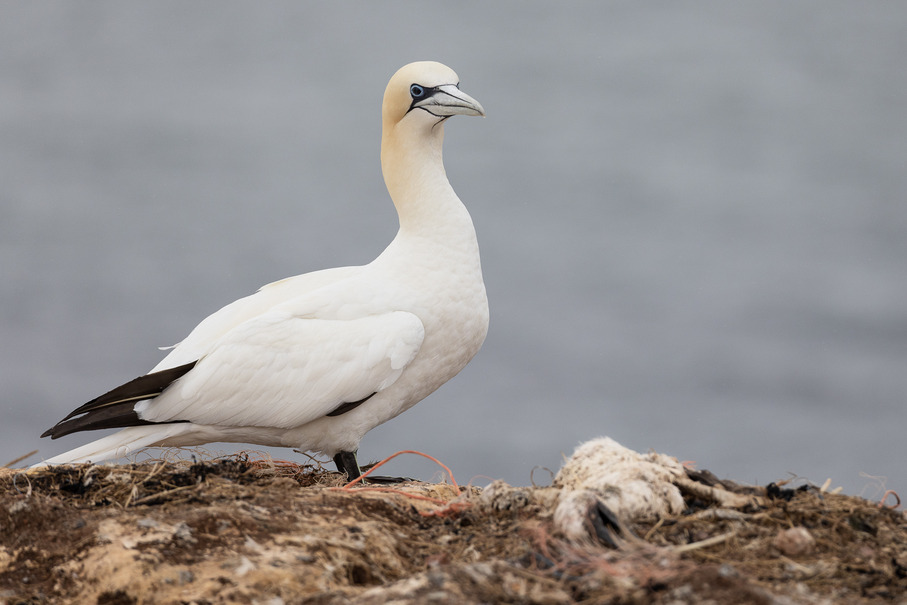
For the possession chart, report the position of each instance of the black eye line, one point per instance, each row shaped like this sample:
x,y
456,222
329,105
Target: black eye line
x,y
441,119
428,91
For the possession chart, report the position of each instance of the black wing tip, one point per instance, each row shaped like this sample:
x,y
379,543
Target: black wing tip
x,y
108,419
116,408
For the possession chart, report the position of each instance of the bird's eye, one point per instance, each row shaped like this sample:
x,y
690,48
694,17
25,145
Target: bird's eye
x,y
416,91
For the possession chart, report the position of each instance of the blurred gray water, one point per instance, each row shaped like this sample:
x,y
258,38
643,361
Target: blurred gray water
x,y
692,215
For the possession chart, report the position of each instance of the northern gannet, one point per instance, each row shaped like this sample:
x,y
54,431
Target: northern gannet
x,y
316,361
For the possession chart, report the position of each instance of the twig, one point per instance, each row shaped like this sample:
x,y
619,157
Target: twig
x,y
704,543
654,528
161,494
20,458
719,496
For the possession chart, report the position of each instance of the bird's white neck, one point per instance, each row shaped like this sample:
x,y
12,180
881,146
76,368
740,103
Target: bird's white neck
x,y
417,182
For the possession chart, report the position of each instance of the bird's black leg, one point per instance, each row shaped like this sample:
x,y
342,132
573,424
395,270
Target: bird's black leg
x,y
346,463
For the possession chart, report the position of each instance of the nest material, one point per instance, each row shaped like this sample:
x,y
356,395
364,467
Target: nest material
x,y
238,530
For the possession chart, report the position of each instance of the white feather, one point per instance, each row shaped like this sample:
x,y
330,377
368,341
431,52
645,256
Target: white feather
x,y
260,372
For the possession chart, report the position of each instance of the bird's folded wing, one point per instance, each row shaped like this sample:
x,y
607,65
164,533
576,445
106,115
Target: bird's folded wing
x,y
206,334
280,370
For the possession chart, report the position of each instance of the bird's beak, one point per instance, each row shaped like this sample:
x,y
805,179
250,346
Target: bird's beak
x,y
448,100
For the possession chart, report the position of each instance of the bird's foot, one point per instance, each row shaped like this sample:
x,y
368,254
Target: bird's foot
x,y
385,480
348,464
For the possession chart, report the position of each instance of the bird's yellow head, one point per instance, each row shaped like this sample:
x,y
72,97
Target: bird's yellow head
x,y
428,92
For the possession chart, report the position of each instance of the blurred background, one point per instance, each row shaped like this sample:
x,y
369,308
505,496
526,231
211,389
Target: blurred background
x,y
692,215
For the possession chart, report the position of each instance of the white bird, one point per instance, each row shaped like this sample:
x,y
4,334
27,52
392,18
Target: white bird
x,y
316,361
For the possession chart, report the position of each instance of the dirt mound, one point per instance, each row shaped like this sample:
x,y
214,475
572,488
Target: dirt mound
x,y
234,530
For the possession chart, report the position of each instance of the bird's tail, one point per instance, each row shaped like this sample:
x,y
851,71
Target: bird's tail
x,y
125,442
